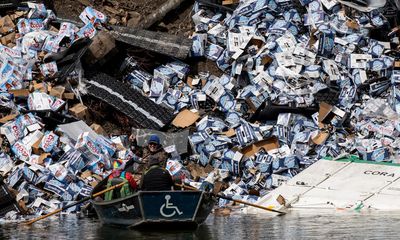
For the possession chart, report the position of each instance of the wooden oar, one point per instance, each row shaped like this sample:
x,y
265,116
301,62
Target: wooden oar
x,y
251,204
234,200
73,204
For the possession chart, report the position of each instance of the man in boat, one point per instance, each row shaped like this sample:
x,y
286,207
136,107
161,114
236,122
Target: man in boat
x,y
153,149
156,178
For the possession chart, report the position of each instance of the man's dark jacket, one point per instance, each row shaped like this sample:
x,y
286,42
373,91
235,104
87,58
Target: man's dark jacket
x,y
156,179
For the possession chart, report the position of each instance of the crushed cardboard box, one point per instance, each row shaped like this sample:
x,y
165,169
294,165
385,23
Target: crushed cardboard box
x,y
185,118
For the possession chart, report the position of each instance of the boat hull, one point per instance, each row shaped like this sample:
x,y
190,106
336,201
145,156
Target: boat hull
x,y
167,209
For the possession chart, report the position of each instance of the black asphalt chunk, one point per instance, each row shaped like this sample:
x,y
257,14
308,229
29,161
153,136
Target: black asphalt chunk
x,y
144,112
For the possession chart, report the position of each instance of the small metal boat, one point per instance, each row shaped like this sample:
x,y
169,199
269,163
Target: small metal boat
x,y
163,209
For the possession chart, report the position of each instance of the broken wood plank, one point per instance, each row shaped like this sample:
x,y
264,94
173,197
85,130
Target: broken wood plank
x,y
160,13
112,10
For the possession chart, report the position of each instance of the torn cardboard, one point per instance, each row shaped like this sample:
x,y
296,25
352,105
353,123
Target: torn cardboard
x,y
98,129
230,133
6,25
320,138
8,118
324,110
266,144
185,118
57,91
19,92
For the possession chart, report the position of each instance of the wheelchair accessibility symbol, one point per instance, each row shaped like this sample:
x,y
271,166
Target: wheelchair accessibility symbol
x,y
170,208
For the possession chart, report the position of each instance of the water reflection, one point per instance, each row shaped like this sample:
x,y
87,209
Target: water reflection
x,y
110,232
296,225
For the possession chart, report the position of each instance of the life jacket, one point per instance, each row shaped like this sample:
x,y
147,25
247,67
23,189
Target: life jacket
x,y
123,192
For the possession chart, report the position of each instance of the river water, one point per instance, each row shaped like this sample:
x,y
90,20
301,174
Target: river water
x,y
294,225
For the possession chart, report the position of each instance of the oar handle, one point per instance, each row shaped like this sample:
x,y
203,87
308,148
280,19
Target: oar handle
x,y
44,216
238,201
186,186
250,204
73,204
108,189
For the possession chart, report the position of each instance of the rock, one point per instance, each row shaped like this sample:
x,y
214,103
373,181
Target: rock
x,y
187,34
162,24
135,19
102,44
85,2
113,21
134,14
114,3
124,20
112,10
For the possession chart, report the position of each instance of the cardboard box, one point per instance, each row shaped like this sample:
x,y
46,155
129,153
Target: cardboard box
x,y
252,105
196,171
185,118
324,110
42,157
217,187
41,87
57,91
7,118
17,14
32,138
36,147
268,144
352,24
229,2
98,129
230,133
70,96
320,138
80,111
53,29
19,92
86,174
7,39
97,177
190,81
6,25
359,60
327,113
266,60
94,183
102,44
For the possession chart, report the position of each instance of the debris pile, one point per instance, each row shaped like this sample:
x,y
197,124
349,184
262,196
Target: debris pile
x,y
301,81
48,157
